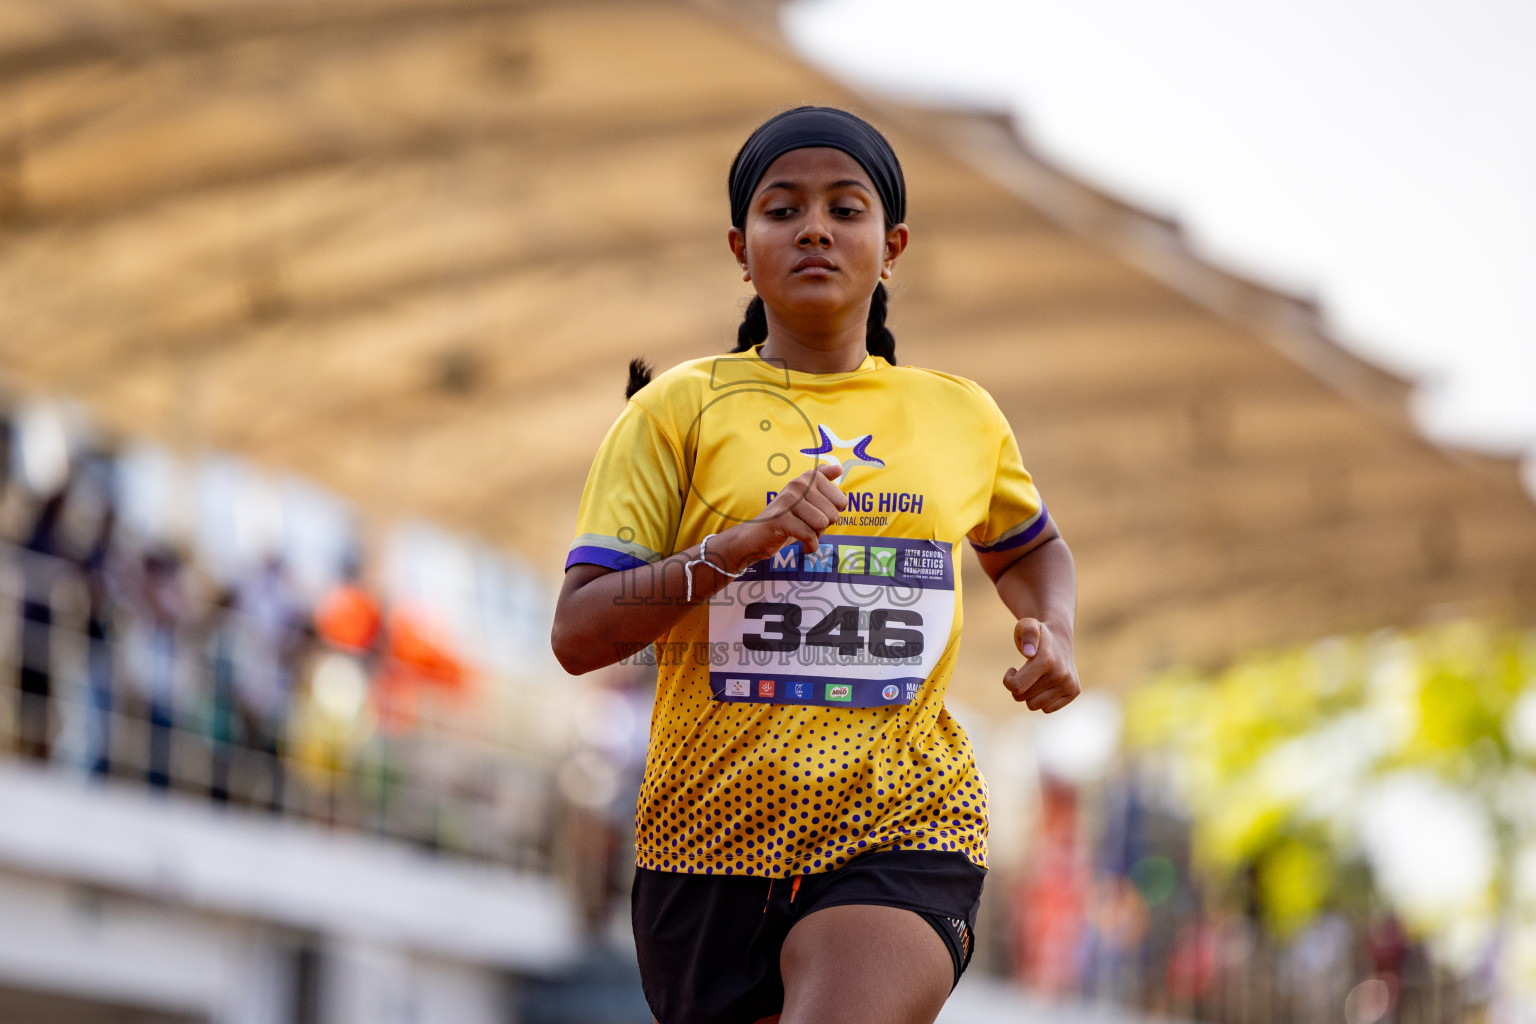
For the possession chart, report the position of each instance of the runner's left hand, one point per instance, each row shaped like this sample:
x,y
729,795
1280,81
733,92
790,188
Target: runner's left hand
x,y
1047,681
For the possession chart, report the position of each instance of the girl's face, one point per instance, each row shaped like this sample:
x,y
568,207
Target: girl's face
x,y
816,243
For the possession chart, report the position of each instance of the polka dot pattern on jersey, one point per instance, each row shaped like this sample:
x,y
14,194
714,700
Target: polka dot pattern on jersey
x,y
782,790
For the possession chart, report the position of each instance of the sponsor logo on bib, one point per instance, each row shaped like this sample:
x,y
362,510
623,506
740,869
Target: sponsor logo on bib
x,y
765,687
738,687
850,558
882,561
823,559
890,692
839,691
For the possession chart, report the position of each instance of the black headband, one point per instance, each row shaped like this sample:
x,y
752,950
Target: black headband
x,y
809,127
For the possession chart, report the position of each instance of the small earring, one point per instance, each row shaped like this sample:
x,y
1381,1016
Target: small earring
x,y
885,273
746,275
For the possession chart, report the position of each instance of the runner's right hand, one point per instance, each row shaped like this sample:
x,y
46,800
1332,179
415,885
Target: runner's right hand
x,y
802,511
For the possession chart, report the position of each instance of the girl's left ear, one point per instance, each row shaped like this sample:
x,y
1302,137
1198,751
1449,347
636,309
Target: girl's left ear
x,y
737,240
895,244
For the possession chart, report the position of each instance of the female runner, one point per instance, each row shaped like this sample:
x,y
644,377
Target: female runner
x,y
783,524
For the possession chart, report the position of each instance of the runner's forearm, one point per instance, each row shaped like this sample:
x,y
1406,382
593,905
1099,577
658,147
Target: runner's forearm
x,y
1042,585
602,617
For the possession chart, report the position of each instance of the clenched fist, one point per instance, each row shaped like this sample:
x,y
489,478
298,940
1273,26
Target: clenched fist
x,y
804,510
1047,681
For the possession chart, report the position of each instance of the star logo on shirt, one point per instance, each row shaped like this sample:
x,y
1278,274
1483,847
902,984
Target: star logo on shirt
x,y
830,443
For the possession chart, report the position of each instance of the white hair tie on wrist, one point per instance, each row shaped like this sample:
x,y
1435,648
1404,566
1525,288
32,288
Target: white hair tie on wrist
x,y
688,566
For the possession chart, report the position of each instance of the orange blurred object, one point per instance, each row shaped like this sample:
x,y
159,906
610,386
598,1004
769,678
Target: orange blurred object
x,y
1052,901
395,698
349,618
413,659
1192,965
413,648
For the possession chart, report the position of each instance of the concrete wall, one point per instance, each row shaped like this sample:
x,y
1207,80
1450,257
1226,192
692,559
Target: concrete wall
x,y
115,896
114,948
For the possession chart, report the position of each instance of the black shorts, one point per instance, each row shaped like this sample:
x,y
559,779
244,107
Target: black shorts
x,y
709,944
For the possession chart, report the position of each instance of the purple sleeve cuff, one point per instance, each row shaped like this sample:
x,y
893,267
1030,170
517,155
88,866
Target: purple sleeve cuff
x,y
1022,537
590,554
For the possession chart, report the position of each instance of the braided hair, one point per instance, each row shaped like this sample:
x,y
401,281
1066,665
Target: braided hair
x,y
639,377
878,338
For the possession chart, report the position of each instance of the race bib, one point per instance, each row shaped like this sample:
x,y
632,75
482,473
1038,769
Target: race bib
x,y
858,623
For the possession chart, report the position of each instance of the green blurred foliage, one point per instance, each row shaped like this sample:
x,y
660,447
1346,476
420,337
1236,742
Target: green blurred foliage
x,y
1276,755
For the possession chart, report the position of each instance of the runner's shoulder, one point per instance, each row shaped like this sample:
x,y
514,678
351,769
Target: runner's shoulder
x,y
958,394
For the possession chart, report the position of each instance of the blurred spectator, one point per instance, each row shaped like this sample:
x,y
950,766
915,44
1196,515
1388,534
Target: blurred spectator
x,y
224,725
1192,966
14,512
600,783
1053,900
1318,968
1115,924
41,575
97,572
165,610
270,638
349,617
1390,953
331,719
343,706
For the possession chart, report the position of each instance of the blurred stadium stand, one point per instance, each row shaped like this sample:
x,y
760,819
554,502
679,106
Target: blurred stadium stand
x,y
402,250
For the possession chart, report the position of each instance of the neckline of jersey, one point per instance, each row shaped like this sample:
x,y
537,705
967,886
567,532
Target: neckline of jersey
x,y
870,362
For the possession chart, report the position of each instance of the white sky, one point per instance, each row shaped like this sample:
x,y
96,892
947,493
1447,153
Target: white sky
x,y
1379,156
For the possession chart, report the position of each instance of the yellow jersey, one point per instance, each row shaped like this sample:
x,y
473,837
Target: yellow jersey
x,y
799,716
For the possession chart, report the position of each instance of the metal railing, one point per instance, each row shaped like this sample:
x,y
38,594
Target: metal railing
x,y
76,699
